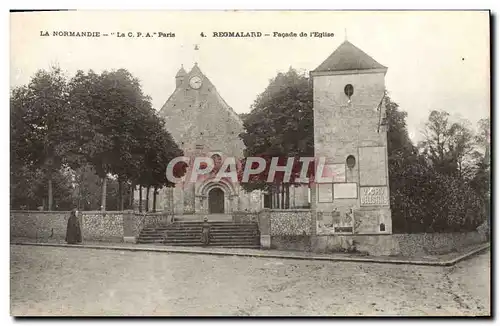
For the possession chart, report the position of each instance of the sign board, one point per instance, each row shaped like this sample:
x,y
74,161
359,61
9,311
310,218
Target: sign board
x,y
374,196
345,190
372,166
325,192
343,229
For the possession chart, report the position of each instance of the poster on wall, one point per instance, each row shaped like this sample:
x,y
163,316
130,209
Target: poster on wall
x,y
325,192
345,190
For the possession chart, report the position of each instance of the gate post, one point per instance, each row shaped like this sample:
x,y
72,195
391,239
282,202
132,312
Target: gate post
x,y
129,230
265,228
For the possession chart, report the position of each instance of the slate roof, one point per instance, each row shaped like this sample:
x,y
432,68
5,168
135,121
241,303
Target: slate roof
x,y
348,57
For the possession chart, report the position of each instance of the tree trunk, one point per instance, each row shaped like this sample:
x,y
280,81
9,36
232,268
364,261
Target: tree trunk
x,y
121,200
131,197
147,198
282,196
50,199
103,198
80,184
154,198
277,196
140,199
287,189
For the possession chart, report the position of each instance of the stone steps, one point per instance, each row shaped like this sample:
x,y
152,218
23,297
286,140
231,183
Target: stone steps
x,y
222,234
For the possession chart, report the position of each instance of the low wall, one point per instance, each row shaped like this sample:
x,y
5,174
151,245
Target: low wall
x,y
96,225
245,217
38,224
419,244
436,243
290,222
102,226
291,230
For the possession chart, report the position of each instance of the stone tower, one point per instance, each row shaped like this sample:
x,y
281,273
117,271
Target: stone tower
x,y
349,132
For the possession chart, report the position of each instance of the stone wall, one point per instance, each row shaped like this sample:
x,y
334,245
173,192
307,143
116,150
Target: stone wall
x,y
287,222
436,243
291,230
38,224
96,225
245,217
100,226
407,245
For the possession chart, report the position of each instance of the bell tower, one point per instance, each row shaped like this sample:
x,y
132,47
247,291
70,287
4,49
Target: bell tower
x,y
349,89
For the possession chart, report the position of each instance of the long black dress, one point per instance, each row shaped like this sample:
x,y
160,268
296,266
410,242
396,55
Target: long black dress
x,y
73,232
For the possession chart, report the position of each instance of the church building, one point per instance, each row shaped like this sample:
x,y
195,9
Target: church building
x,y
204,125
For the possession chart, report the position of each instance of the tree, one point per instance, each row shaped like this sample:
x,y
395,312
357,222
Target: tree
x,y
42,127
429,190
158,150
280,124
88,188
448,145
403,164
481,180
118,119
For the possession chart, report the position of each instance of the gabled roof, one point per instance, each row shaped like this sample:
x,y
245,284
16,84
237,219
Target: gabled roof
x,y
197,113
348,57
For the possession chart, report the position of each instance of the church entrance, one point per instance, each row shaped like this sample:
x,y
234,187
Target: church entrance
x,y
216,201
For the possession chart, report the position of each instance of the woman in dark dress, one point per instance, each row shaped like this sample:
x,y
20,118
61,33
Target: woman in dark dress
x,y
73,232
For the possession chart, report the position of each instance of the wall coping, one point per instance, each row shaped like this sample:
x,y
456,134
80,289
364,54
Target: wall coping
x,y
42,212
244,212
66,212
150,213
291,210
432,233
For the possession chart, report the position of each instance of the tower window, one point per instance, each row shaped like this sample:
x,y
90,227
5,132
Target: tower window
x,y
349,90
350,161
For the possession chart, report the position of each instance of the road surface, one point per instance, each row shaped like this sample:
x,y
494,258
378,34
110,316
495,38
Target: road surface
x,y
69,281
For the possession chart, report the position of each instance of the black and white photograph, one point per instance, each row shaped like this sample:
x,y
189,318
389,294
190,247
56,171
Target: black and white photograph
x,y
250,163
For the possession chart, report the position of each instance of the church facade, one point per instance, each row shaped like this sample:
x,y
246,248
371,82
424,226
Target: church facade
x,y
204,125
349,133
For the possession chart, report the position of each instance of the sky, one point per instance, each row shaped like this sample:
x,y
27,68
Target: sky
x,y
437,60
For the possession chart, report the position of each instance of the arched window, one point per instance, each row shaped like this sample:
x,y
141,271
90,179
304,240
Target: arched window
x,y
349,90
350,161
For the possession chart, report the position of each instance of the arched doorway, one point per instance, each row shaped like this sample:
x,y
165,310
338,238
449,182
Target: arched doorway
x,y
216,201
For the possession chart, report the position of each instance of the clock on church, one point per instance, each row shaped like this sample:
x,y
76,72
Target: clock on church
x,y
195,82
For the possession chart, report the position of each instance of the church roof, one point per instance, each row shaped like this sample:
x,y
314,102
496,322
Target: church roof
x,y
181,72
348,57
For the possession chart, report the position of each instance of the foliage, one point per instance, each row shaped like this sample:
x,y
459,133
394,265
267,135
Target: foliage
x,y
438,189
42,128
448,145
280,124
95,122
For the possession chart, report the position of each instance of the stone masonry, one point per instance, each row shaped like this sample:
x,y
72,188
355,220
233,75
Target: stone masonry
x,y
348,88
